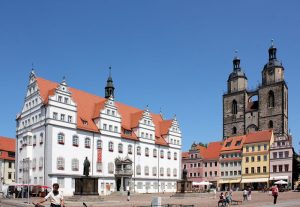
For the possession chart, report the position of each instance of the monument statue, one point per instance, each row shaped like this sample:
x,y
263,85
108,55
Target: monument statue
x,y
86,167
184,174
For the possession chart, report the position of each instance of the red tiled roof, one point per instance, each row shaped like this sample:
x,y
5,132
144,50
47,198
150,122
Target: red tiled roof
x,y
7,144
89,106
212,151
259,136
185,154
233,141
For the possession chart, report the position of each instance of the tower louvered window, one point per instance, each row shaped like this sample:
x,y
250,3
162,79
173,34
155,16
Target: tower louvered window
x,y
234,107
271,99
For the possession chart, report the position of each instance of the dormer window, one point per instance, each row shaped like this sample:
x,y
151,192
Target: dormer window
x,y
228,144
238,143
128,132
85,122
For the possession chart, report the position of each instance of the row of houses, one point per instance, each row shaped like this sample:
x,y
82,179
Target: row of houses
x,y
257,159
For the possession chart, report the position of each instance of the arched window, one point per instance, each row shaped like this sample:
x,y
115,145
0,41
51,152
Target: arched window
x,y
120,148
138,170
87,142
130,149
175,155
147,152
61,138
111,168
60,163
169,155
75,141
270,124
111,146
33,163
34,140
154,152
234,130
99,144
161,154
168,171
75,164
41,138
271,99
161,171
154,171
175,172
138,150
234,107
41,162
146,170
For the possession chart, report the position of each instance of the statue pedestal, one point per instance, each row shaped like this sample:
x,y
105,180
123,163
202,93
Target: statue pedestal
x,y
184,186
86,186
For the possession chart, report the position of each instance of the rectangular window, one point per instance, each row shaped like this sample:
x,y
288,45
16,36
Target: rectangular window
x,y
110,128
264,169
265,157
258,147
247,159
205,174
280,154
253,148
222,174
62,117
274,155
274,168
252,169
191,174
191,165
286,154
66,100
55,115
258,158
252,159
9,175
216,164
10,165
258,169
246,170
247,148
59,98
116,129
280,168
70,119
265,146
104,126
113,113
210,164
216,173
286,168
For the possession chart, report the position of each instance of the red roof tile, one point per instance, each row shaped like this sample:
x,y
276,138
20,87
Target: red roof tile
x,y
259,136
7,144
185,154
88,105
233,141
212,151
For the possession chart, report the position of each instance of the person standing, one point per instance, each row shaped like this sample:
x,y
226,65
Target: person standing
x,y
56,197
128,195
275,193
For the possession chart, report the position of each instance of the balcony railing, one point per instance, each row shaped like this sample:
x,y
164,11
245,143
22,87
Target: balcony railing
x,y
124,172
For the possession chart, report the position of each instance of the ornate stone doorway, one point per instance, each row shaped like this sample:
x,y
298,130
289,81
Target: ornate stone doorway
x,y
123,173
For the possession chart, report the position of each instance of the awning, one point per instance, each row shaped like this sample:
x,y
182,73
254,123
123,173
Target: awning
x,y
235,181
255,180
283,177
223,181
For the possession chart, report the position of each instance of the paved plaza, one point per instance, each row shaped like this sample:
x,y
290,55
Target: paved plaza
x,y
286,199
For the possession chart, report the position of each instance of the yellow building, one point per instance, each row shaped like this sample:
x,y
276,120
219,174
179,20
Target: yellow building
x,y
256,159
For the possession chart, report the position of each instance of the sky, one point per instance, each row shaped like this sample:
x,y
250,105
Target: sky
x,y
174,56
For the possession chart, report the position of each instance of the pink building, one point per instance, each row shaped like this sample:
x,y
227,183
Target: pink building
x,y
211,165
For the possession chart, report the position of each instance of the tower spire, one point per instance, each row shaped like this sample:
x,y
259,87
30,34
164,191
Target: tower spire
x,y
109,88
272,51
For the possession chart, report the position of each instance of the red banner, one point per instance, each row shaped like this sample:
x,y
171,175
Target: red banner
x,y
99,155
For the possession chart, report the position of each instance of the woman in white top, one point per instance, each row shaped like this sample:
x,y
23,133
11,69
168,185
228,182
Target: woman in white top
x,y
56,197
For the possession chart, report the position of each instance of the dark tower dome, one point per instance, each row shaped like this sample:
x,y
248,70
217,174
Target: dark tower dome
x,y
109,88
237,70
273,62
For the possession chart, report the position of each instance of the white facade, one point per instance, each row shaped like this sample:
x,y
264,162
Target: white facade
x,y
48,136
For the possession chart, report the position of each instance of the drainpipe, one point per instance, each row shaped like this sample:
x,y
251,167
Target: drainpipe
x,y
158,168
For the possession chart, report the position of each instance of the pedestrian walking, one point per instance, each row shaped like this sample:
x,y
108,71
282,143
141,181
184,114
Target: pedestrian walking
x,y
275,193
249,194
56,197
245,194
128,195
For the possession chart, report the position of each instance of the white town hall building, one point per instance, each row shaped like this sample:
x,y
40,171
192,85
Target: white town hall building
x,y
128,148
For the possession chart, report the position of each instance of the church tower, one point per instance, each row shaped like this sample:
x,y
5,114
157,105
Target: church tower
x,y
234,101
109,88
273,96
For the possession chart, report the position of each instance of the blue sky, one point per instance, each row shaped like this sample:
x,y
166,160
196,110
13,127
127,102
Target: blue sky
x,y
173,55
